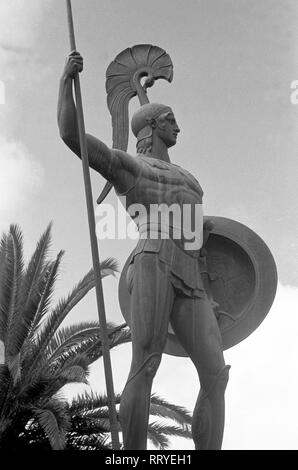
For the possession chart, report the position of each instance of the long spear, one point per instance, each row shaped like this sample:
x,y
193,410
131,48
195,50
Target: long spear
x,y
94,246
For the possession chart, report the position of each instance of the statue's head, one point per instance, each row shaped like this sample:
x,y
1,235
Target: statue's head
x,y
154,118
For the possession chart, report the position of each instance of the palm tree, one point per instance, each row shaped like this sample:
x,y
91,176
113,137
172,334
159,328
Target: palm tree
x,y
39,357
89,426
90,420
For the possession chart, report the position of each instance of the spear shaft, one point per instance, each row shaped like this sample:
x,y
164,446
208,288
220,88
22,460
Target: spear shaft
x,y
94,245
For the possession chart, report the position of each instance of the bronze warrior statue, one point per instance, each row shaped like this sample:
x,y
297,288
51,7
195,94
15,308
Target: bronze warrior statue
x,y
168,282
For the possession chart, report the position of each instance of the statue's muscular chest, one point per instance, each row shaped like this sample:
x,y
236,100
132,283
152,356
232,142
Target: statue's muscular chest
x,y
162,182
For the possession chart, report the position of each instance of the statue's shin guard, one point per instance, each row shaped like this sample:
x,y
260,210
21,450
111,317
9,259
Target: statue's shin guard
x,y
209,414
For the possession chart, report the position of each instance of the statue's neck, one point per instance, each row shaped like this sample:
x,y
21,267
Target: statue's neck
x,y
159,150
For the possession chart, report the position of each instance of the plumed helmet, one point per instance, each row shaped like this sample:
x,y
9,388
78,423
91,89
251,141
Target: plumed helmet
x,y
144,115
123,82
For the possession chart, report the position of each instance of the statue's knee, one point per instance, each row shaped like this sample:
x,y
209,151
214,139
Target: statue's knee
x,y
223,378
146,370
152,365
219,383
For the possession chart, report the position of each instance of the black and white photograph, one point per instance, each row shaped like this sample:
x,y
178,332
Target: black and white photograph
x,y
148,227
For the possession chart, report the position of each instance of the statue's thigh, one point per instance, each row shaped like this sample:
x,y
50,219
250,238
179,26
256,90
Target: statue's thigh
x,y
152,297
196,327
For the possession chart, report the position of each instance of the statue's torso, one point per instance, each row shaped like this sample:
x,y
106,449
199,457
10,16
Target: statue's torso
x,y
161,182
164,184
164,188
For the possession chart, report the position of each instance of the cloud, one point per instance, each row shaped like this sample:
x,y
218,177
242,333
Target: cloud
x,y
20,177
15,49
20,24
19,21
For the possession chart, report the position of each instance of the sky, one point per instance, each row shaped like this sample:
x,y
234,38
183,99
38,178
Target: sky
x,y
234,62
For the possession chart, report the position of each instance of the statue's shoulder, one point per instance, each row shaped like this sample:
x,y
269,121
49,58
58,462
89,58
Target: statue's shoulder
x,y
128,161
122,153
154,162
189,176
182,170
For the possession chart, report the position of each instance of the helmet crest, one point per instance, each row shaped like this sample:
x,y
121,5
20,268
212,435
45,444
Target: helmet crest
x,y
123,82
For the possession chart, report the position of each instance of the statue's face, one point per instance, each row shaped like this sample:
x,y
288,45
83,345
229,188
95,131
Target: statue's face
x,y
167,128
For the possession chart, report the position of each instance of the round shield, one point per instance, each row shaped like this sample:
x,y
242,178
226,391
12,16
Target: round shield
x,y
242,279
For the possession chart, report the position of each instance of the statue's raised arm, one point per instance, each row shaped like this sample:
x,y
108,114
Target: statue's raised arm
x,y
123,82
117,167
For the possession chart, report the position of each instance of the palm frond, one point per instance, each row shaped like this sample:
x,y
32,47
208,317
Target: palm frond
x,y
109,267
3,267
59,314
35,389
70,361
164,409
33,307
39,309
71,336
46,296
85,338
74,369
158,440
14,315
14,366
34,273
66,305
48,423
98,441
2,352
5,380
158,434
117,336
32,438
53,419
75,374
48,379
87,402
64,354
88,425
35,267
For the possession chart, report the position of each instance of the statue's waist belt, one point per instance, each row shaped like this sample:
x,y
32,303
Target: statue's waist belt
x,y
184,267
188,241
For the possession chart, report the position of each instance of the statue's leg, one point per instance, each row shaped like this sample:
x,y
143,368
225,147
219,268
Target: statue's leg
x,y
196,327
152,298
